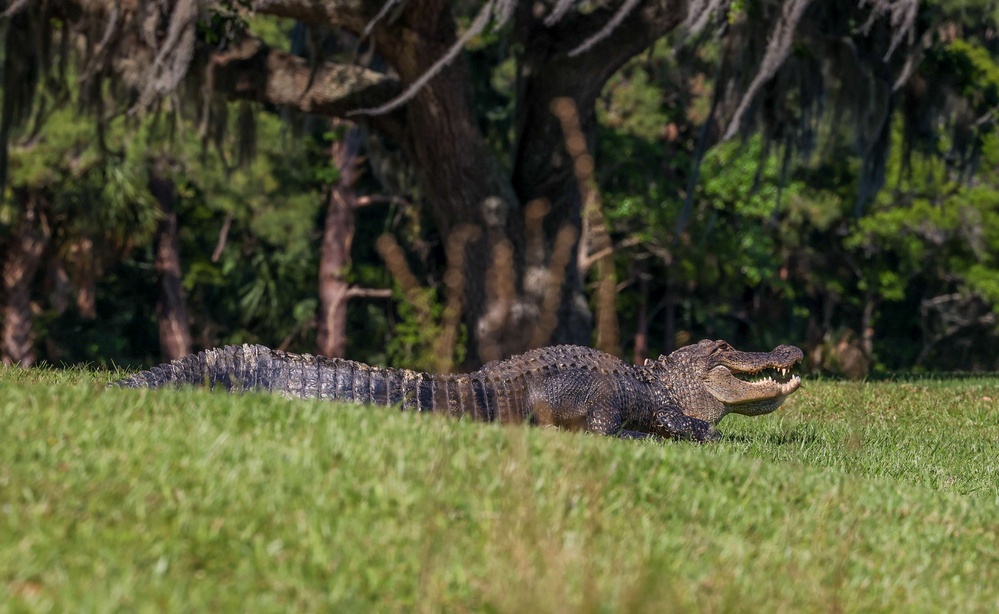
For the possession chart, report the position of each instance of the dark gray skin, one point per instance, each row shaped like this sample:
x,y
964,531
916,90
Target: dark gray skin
x,y
680,396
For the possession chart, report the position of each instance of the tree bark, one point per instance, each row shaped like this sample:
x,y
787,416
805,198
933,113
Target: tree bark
x,y
334,259
251,70
171,309
24,253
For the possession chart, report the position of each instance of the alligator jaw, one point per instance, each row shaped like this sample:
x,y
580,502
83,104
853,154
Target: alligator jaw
x,y
728,380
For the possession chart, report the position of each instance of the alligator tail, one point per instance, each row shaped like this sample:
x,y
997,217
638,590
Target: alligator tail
x,y
231,367
255,367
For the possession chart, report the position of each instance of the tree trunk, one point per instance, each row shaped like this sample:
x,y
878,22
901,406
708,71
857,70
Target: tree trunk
x,y
334,259
463,181
24,253
171,309
548,69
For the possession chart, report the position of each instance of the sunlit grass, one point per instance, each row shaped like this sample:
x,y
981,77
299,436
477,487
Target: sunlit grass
x,y
853,497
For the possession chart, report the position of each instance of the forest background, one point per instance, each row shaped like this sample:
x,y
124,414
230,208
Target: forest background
x,y
632,175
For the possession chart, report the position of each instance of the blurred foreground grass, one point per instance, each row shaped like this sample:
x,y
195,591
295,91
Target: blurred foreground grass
x,y
853,497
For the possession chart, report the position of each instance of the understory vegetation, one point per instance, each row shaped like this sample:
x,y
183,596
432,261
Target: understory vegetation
x,y
852,497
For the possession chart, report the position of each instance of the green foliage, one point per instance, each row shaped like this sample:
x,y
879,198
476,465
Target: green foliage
x,y
188,500
742,200
90,191
95,186
971,65
769,249
756,248
933,226
416,332
735,10
633,105
262,285
225,20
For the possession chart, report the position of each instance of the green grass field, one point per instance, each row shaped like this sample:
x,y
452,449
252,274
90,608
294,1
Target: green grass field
x,y
853,497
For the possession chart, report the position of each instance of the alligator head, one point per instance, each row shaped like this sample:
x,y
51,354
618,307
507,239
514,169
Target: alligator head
x,y
712,379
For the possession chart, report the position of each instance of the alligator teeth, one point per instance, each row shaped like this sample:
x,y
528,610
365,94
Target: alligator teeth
x,y
769,375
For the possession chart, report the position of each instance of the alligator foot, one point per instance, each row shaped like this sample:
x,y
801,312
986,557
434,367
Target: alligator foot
x,y
673,424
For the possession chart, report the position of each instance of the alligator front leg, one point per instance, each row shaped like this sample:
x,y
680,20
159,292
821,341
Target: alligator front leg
x,y
671,423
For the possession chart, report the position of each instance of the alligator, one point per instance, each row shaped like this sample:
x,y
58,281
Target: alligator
x,y
679,396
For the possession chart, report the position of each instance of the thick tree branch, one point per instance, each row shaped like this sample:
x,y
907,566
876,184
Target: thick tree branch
x,y
354,15
573,43
253,71
358,292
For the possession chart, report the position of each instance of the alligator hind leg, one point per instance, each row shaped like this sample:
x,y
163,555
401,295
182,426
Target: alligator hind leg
x,y
672,423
